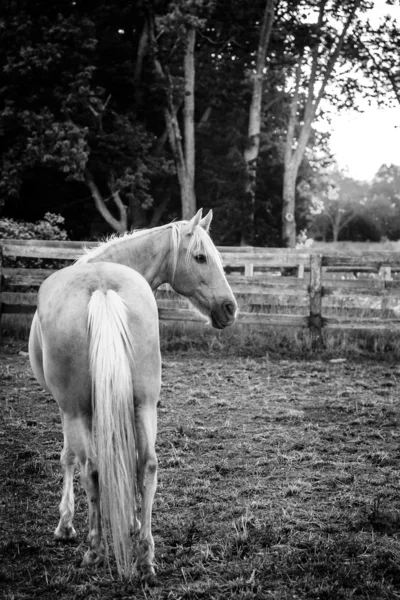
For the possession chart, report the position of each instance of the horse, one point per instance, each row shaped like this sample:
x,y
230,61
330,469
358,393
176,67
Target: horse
x,y
94,345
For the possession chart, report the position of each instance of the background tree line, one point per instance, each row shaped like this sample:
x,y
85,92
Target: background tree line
x,y
119,114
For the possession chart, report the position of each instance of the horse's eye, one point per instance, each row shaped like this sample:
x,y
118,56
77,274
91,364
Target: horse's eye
x,y
200,258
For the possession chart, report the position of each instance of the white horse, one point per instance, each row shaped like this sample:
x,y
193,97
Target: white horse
x,y
94,345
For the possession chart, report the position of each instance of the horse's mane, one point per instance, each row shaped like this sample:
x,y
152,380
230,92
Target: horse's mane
x,y
116,239
200,242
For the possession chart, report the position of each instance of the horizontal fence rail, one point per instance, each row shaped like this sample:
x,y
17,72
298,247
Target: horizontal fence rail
x,y
275,287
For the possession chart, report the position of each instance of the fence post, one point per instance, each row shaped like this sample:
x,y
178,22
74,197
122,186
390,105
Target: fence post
x,y
385,274
249,270
315,291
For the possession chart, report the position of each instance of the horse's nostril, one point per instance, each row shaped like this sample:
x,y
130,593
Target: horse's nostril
x,y
229,308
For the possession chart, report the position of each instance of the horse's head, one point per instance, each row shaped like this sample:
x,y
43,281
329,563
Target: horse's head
x,y
199,275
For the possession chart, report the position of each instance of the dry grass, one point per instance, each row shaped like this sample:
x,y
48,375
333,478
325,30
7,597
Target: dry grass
x,y
278,479
251,341
280,342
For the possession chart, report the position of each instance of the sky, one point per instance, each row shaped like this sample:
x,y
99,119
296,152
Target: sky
x,y
363,142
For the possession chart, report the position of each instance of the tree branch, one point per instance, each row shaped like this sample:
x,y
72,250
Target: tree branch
x,y
314,63
385,70
205,116
141,53
159,209
120,224
335,54
254,129
313,107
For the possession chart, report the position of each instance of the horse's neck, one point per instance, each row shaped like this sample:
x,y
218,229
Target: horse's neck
x,y
147,253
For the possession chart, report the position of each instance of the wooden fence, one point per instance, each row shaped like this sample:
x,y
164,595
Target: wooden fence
x,y
274,287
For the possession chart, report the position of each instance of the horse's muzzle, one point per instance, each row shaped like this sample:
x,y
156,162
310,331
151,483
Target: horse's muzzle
x,y
224,315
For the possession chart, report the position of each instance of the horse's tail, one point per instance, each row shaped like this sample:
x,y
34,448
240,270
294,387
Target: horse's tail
x,y
111,363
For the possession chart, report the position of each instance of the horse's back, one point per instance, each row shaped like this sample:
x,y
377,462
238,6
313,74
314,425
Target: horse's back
x,y
59,342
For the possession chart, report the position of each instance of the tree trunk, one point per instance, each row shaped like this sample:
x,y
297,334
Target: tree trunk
x,y
188,197
295,146
336,229
141,53
288,206
291,168
253,141
184,154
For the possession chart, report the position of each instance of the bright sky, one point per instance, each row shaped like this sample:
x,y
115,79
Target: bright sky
x,y
363,142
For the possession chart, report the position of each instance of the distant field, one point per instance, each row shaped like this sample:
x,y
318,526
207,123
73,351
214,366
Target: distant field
x,y
279,479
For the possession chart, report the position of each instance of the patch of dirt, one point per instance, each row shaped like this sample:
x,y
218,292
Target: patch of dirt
x,y
277,479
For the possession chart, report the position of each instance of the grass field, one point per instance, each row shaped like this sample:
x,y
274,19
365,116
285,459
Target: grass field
x,y
278,479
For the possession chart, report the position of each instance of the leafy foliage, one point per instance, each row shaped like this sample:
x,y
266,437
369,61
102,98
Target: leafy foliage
x,y
44,59
48,228
71,122
80,99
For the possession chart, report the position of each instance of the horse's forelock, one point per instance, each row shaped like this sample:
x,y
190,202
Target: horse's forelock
x,y
200,242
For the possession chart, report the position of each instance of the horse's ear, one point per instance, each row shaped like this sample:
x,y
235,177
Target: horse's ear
x,y
206,221
195,220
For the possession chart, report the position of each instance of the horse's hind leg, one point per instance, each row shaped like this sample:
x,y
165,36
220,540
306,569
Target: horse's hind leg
x,y
78,443
146,431
78,432
90,481
65,530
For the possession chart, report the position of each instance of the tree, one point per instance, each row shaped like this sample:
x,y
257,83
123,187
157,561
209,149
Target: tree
x,y
383,204
57,112
252,147
318,46
226,54
336,202
176,30
377,50
99,123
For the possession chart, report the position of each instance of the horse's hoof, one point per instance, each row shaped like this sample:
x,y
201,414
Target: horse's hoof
x,y
149,578
65,534
145,573
92,558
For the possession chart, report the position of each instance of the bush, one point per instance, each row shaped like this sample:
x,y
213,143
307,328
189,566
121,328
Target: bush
x,y
49,228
